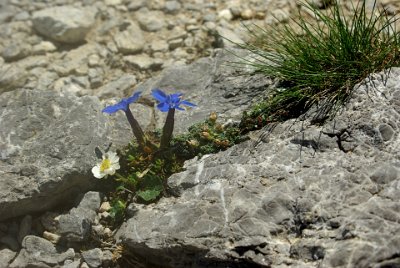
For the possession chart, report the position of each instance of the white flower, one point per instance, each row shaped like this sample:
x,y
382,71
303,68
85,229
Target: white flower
x,y
107,166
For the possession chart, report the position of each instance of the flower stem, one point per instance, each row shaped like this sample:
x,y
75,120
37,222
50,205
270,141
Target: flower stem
x,y
136,129
168,129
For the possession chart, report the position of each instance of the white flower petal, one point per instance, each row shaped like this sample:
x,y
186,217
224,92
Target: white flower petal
x,y
96,172
113,157
113,160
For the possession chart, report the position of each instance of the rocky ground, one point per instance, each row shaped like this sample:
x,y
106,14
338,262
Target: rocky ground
x,y
106,48
56,55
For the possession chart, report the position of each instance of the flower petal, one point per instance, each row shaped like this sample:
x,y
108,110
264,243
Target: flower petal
x,y
113,157
176,97
134,97
114,108
96,172
163,107
159,95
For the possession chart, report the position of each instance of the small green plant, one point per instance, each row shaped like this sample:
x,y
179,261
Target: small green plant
x,y
206,138
141,169
319,62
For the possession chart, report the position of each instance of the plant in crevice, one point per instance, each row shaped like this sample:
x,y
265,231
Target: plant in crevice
x,y
319,62
144,165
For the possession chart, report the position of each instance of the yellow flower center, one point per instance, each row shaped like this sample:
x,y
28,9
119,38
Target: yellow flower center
x,y
105,164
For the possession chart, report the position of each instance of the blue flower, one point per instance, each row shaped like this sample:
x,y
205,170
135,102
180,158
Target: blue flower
x,y
122,105
172,101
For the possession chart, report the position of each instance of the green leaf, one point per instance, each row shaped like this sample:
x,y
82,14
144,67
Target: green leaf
x,y
117,210
150,188
149,195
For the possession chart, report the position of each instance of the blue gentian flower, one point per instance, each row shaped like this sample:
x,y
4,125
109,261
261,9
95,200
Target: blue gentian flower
x,y
172,101
122,105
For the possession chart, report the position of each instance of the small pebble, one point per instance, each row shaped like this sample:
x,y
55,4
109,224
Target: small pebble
x,y
53,238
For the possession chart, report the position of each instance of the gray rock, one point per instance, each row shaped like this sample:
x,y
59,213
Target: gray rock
x,y
93,257
47,146
159,46
7,12
95,77
38,252
15,52
72,264
131,40
24,15
107,258
75,61
121,86
113,2
266,203
43,47
77,224
65,24
6,256
75,227
25,227
84,265
91,201
143,62
227,93
11,77
230,38
135,5
151,21
175,43
172,7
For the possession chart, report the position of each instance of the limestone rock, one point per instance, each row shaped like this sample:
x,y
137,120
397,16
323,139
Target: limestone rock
x,y
15,52
131,40
143,62
65,24
11,77
38,252
172,7
227,94
278,198
6,256
47,148
93,257
91,200
123,85
76,225
151,21
43,47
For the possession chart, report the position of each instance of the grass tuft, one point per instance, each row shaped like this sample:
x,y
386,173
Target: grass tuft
x,y
320,62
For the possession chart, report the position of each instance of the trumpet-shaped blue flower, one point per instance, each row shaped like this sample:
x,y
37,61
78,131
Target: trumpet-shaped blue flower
x,y
123,104
172,101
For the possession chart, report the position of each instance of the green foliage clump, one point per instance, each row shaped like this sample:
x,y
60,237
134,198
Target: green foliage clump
x,y
206,138
320,62
145,169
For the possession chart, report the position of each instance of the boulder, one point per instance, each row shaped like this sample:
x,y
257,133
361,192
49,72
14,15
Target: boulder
x,y
47,147
38,252
65,24
296,194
